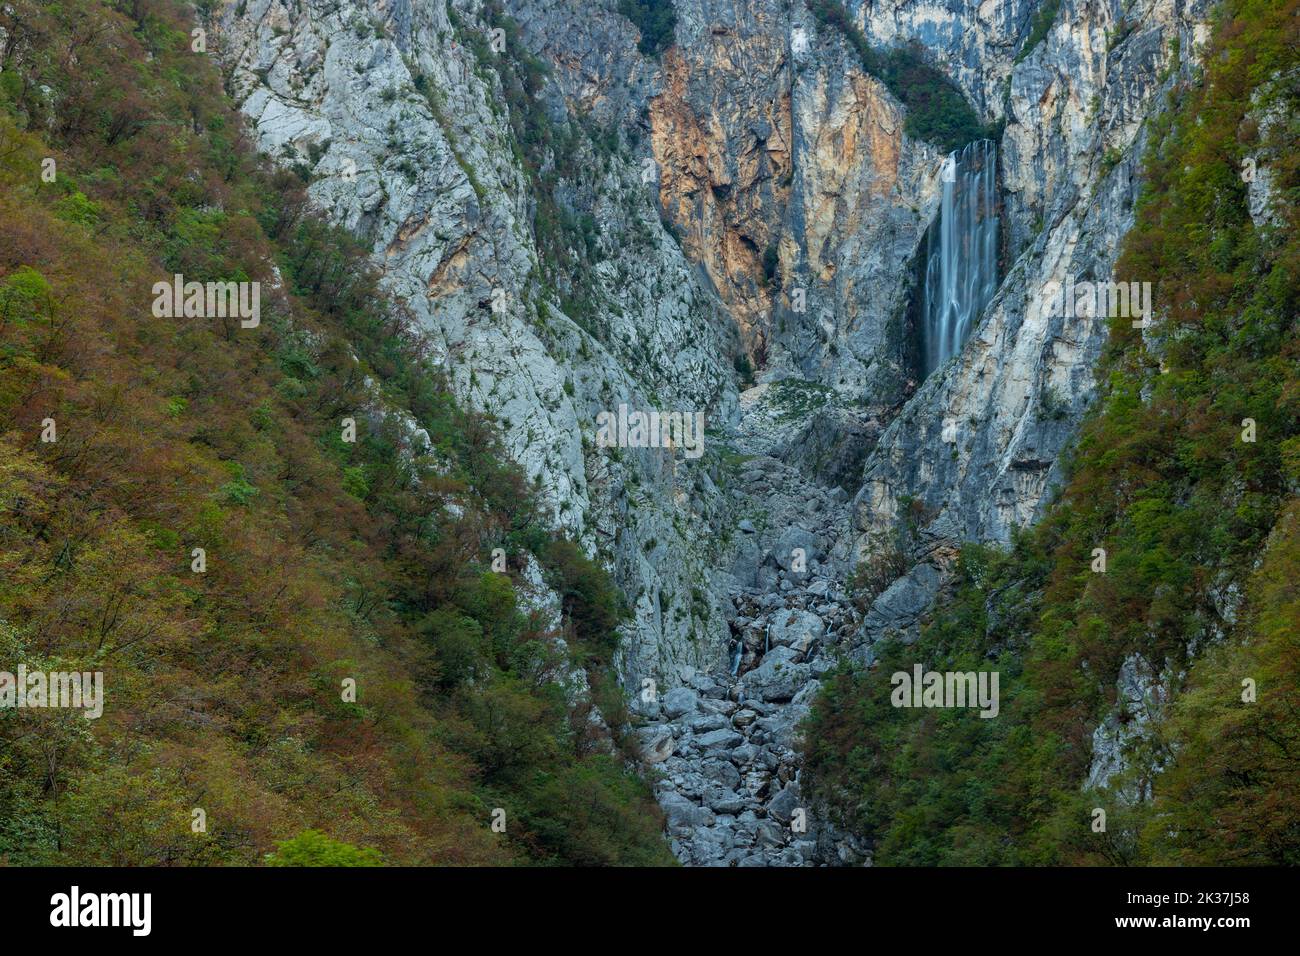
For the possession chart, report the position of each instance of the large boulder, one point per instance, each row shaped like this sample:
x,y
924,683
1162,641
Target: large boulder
x,y
769,833
680,701
722,800
703,723
777,678
717,741
899,607
796,629
745,565
655,744
780,728
683,815
721,772
783,805
797,538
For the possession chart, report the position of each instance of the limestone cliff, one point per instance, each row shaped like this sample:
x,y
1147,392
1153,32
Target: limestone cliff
x,y
584,225
396,113
976,451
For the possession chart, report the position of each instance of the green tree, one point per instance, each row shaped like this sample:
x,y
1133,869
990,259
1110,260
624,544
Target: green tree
x,y
313,848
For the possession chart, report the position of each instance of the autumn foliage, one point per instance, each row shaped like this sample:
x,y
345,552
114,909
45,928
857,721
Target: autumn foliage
x,y
327,561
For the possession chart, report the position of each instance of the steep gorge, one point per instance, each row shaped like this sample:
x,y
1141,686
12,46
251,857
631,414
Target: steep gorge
x,y
751,199
809,258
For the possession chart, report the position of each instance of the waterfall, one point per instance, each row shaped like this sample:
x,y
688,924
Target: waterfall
x,y
961,266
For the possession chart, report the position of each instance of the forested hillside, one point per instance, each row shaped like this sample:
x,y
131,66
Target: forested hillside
x,y
1187,474
128,441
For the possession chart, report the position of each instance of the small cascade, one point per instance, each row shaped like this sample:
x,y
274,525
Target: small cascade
x,y
961,266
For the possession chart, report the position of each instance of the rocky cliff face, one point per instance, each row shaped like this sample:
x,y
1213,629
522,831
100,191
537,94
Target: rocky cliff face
x,y
398,118
976,451
975,44
630,229
787,171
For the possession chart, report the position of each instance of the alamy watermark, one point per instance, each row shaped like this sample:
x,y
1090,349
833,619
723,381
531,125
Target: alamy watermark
x,y
1092,300
208,300
58,689
75,908
652,429
946,689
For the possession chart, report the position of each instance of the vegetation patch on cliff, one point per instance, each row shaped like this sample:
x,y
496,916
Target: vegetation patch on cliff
x,y
937,112
656,19
558,156
1040,23
795,399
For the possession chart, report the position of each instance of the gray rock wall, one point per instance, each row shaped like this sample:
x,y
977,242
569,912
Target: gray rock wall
x,y
979,444
751,192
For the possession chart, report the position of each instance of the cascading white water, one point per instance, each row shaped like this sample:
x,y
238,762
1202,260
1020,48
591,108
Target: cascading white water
x,y
961,269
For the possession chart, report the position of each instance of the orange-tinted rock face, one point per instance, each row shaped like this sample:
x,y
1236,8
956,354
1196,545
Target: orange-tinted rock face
x,y
727,206
789,180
